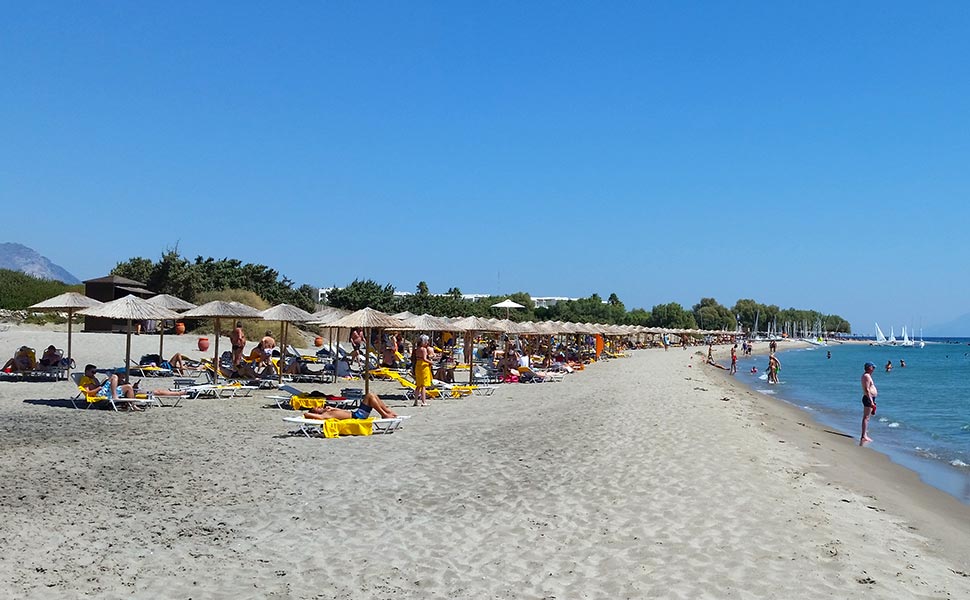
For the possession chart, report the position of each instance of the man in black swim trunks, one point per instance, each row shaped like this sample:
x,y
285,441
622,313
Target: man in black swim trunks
x,y
869,393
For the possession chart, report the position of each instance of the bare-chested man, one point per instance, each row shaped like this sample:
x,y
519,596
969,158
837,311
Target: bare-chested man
x,y
869,394
238,340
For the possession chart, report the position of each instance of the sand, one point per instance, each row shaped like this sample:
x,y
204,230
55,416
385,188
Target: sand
x,y
646,477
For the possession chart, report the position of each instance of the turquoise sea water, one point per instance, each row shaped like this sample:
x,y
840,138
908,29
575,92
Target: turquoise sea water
x,y
923,416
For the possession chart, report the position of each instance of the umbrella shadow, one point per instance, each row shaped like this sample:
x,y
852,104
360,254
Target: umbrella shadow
x,y
51,402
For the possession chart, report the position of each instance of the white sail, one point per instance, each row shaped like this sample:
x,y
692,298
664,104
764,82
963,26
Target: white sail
x,y
892,336
906,341
880,336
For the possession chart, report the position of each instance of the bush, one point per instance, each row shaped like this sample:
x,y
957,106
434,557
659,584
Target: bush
x,y
19,290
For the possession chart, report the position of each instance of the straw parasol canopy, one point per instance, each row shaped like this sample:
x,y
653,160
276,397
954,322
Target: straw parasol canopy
x,y
285,314
69,302
328,315
368,318
470,325
172,303
220,309
324,317
429,323
130,308
404,314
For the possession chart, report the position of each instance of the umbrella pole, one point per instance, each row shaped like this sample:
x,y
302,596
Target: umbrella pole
x,y
127,351
366,361
471,358
334,352
70,318
215,359
161,341
283,326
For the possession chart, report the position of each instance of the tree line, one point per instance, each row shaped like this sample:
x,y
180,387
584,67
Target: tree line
x,y
205,278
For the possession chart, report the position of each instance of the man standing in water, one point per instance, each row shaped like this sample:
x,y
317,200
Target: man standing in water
x,y
869,394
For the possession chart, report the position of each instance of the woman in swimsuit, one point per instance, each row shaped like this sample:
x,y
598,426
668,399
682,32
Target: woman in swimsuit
x,y
369,403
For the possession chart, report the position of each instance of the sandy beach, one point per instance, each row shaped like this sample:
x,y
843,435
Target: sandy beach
x,y
653,476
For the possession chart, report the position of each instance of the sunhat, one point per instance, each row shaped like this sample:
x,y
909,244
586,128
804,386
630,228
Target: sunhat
x,y
869,364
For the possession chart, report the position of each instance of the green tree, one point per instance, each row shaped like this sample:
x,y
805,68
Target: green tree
x,y
361,294
672,316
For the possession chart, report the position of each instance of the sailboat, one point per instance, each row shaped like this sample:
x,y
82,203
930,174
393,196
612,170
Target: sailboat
x,y
921,344
906,341
880,337
892,336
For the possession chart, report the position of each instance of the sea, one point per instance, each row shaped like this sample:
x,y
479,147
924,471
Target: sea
x,y
923,416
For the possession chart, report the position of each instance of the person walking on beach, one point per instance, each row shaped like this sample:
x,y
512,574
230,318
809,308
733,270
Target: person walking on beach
x,y
734,359
869,393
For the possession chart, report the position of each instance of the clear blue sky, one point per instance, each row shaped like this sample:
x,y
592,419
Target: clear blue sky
x,y
802,154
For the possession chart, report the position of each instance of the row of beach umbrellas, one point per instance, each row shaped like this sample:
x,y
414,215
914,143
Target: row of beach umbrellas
x,y
166,307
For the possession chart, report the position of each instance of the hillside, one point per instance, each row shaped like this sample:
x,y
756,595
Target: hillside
x,y
18,257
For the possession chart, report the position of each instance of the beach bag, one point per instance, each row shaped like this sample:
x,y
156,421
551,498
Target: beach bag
x,y
150,359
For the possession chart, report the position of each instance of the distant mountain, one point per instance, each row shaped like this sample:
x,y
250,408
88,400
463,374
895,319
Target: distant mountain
x,y
17,257
958,327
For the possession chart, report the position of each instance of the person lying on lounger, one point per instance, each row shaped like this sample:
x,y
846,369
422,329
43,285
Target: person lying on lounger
x,y
369,403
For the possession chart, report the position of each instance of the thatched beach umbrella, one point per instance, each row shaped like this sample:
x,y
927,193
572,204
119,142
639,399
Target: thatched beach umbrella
x,y
368,318
323,318
471,325
285,314
174,304
130,308
220,309
69,302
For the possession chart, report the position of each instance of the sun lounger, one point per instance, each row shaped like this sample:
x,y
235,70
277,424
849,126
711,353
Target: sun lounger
x,y
457,389
336,428
296,399
148,370
138,400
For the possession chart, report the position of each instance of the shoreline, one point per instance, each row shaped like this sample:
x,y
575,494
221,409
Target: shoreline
x,y
868,472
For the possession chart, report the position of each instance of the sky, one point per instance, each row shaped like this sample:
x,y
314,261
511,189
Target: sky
x,y
809,155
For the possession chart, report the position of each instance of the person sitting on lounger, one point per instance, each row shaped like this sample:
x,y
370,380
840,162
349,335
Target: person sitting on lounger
x,y
370,402
260,361
51,357
111,387
22,361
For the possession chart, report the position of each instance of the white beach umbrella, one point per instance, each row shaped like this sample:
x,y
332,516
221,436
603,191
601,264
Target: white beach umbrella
x,y
507,304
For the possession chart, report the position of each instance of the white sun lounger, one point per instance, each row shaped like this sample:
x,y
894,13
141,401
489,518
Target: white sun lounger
x,y
312,427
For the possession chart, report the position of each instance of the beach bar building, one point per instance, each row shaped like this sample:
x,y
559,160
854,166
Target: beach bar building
x,y
107,289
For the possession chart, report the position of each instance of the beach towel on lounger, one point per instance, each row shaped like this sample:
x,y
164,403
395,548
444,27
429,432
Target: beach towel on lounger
x,y
333,428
